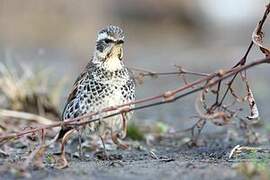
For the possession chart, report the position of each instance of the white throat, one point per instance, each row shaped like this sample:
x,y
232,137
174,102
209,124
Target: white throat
x,y
113,64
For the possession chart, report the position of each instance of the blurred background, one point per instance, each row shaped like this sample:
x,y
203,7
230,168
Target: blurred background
x,y
199,35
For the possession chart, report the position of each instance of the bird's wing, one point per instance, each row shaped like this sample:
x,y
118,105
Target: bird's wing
x,y
72,96
75,86
74,91
132,76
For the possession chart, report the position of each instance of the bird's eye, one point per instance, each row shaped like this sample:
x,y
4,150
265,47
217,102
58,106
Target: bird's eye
x,y
107,41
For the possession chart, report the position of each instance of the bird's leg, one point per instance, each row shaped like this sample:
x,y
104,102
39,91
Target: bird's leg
x,y
116,140
63,142
104,147
124,119
116,136
80,142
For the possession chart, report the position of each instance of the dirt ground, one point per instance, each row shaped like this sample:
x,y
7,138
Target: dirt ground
x,y
169,161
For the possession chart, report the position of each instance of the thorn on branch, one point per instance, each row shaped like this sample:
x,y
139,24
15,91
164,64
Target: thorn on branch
x,y
169,96
221,72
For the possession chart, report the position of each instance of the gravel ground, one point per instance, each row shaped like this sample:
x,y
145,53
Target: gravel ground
x,y
170,161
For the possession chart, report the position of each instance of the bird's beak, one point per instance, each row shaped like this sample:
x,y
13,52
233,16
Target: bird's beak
x,y
117,50
120,55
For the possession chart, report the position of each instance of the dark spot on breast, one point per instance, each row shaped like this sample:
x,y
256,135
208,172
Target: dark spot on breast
x,y
99,90
76,114
77,105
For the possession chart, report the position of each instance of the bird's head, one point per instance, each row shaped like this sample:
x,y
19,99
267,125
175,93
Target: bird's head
x,y
109,48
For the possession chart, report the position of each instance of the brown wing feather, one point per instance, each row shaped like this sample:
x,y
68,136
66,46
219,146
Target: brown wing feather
x,y
71,96
74,90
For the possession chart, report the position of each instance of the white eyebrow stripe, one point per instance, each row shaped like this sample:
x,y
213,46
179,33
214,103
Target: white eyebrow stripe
x,y
104,35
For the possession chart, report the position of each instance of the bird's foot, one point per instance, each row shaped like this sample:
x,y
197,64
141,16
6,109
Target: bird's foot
x,y
101,155
116,140
62,162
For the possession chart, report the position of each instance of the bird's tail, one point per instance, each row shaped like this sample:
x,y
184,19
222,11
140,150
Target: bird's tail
x,y
59,136
62,133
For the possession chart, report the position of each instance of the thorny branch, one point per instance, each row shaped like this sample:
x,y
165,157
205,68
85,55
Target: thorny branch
x,y
216,107
180,71
166,97
257,37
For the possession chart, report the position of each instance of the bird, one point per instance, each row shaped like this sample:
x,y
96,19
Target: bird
x,y
104,82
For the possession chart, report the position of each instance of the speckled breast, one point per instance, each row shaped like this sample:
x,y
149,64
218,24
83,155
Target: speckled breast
x,y
104,89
